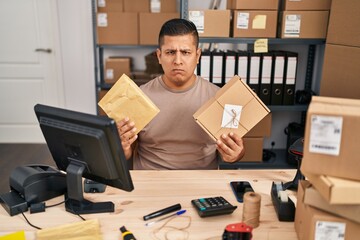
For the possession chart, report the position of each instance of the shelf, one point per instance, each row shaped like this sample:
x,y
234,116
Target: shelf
x,y
293,108
277,162
270,40
108,46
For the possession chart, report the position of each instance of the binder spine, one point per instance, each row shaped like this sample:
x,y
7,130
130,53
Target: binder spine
x,y
265,79
290,78
278,79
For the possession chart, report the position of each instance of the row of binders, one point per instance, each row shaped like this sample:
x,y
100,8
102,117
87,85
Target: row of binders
x,y
271,75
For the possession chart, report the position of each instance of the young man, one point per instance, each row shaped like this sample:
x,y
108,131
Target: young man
x,y
173,140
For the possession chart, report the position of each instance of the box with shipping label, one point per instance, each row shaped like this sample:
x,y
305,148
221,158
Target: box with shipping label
x,y
312,223
304,24
150,25
314,198
163,6
234,108
344,83
117,28
110,6
332,136
336,190
115,67
253,5
136,6
211,23
344,23
254,24
306,4
125,99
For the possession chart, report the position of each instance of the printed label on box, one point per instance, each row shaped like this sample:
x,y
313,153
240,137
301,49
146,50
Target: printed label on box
x,y
101,3
243,20
155,6
231,116
292,25
330,230
197,17
325,134
259,22
102,20
109,73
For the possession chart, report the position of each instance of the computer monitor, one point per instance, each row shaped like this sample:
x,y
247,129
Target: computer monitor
x,y
84,145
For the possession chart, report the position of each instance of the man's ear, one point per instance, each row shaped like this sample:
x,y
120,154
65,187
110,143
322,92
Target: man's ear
x,y
198,54
158,54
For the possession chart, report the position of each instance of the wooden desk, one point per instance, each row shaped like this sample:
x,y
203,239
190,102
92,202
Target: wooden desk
x,y
155,190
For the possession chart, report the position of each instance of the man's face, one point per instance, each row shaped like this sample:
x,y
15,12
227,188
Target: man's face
x,y
178,56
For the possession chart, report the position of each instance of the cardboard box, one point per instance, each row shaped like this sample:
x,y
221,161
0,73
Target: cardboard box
x,y
262,129
304,24
332,133
306,4
110,6
211,23
315,199
336,190
344,83
115,67
125,99
163,6
255,24
253,149
234,108
101,94
117,28
344,23
136,6
312,223
150,25
253,5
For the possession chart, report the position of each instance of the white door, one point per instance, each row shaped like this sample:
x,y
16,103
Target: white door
x,y
30,70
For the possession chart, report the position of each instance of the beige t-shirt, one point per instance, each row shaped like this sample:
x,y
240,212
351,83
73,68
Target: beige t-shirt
x,y
173,140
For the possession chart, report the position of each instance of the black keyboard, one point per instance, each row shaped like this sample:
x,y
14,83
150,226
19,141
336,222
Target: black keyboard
x,y
212,206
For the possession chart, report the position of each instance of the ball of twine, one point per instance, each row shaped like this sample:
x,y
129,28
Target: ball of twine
x,y
251,209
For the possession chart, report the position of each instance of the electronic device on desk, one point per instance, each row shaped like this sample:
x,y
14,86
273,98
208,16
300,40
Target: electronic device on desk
x,y
84,145
284,207
240,188
212,206
32,184
296,150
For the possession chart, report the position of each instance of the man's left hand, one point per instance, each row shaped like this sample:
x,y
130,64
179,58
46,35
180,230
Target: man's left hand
x,y
231,147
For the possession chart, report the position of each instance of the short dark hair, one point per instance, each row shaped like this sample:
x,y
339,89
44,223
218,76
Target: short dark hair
x,y
178,27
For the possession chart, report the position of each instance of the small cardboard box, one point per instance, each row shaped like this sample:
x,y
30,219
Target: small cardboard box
x,y
136,6
315,199
336,190
253,5
110,6
234,108
150,25
255,149
125,99
312,223
344,23
211,23
332,136
117,28
115,67
306,4
255,24
304,24
344,83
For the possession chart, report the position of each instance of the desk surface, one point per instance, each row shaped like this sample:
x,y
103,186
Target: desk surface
x,y
155,190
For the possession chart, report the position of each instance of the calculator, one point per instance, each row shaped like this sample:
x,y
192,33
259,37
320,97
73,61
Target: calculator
x,y
212,206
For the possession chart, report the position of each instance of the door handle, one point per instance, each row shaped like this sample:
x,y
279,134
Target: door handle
x,y
47,50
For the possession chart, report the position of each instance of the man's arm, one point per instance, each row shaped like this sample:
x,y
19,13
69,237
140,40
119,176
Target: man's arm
x,y
127,129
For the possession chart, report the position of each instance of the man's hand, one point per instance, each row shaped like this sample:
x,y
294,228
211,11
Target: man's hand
x,y
230,147
127,135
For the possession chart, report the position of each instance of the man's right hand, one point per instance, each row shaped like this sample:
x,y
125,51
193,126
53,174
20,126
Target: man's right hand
x,y
127,129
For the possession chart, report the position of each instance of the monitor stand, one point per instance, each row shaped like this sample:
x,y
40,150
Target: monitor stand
x,y
74,198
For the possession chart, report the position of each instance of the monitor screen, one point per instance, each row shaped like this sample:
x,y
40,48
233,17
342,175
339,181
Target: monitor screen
x,y
84,146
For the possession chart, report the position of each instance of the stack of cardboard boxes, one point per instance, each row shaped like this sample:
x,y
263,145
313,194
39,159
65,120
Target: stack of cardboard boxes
x,y
341,72
328,203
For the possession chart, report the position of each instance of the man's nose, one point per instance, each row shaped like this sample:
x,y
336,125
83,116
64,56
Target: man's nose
x,y
178,59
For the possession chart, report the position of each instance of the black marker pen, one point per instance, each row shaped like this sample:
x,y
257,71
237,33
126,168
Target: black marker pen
x,y
164,211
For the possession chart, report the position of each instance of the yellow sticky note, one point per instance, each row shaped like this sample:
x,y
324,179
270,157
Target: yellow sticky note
x,y
14,236
259,22
261,46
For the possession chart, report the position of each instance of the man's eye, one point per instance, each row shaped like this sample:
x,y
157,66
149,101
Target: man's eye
x,y
170,52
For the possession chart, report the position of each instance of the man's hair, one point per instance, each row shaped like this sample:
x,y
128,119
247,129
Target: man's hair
x,y
178,27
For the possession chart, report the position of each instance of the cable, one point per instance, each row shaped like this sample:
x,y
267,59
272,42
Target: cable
x,y
30,222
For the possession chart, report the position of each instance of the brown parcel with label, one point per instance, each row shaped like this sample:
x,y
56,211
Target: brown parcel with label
x,y
332,133
235,92
312,223
125,99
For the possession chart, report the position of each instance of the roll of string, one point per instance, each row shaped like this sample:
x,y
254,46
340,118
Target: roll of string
x,y
251,209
